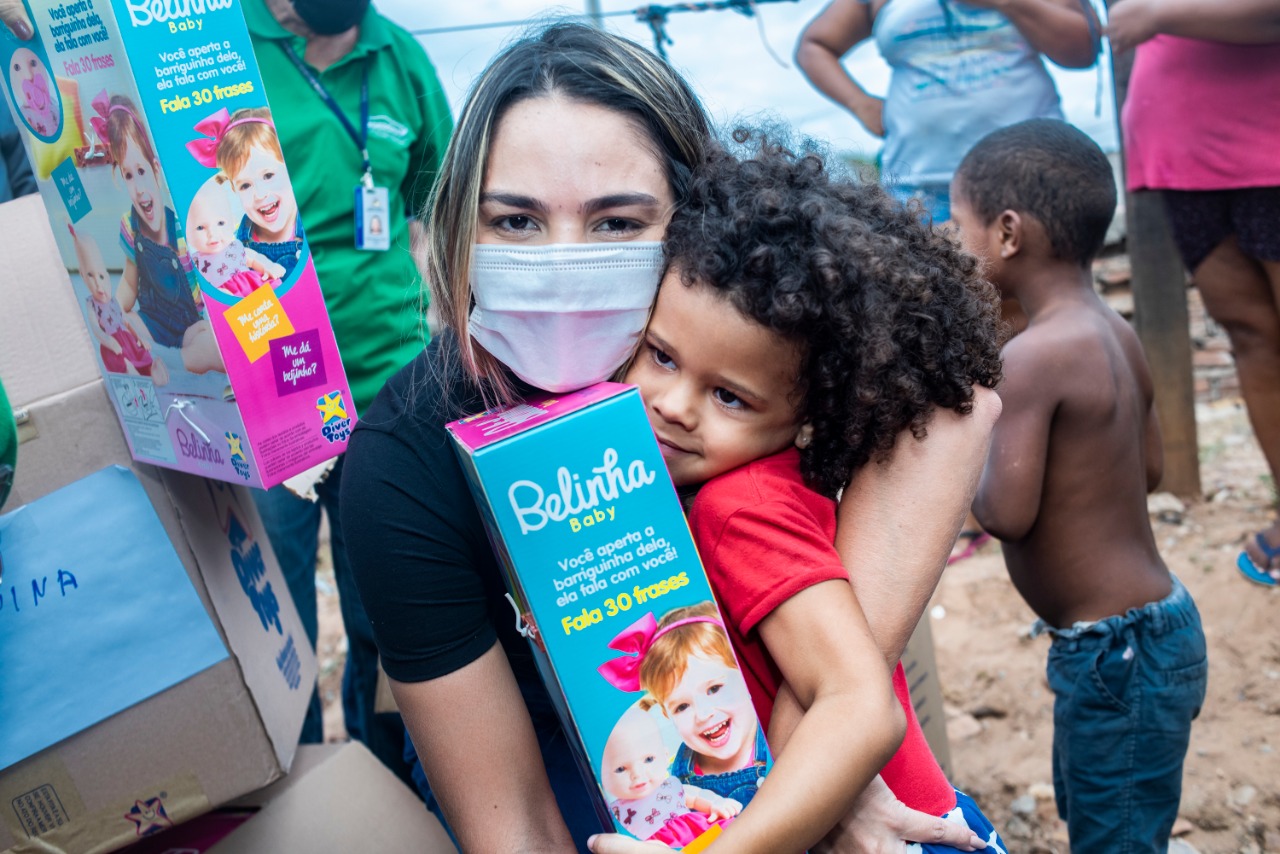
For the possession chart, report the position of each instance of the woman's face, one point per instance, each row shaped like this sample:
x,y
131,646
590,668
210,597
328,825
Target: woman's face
x,y
143,183
563,171
711,709
267,196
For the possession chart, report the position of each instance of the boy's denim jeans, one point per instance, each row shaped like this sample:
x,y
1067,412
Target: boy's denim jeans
x,y
1126,690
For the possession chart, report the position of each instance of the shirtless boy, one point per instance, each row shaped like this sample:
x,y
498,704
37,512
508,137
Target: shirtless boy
x,y
1064,489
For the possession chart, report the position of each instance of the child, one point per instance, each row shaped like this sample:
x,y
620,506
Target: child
x,y
803,310
1065,486
647,800
223,260
156,276
688,669
123,340
245,147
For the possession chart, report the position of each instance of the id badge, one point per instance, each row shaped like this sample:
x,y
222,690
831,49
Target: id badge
x,y
373,225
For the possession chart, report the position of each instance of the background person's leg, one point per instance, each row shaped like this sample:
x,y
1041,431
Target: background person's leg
x,y
293,528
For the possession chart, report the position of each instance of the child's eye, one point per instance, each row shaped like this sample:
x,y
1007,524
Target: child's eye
x,y
268,175
621,769
680,707
728,399
714,689
661,359
244,185
649,760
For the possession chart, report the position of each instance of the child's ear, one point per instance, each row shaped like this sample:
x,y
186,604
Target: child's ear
x,y
1009,227
804,436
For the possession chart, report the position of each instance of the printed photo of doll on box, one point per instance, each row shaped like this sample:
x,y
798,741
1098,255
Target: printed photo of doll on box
x,y
266,241
686,667
123,340
34,92
156,282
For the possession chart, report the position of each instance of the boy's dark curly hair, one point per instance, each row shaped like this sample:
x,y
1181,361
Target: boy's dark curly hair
x,y
892,318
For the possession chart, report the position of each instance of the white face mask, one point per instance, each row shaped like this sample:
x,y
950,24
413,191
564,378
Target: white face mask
x,y
563,316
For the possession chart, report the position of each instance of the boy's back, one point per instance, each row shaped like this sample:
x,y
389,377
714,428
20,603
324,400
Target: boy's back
x,y
1074,455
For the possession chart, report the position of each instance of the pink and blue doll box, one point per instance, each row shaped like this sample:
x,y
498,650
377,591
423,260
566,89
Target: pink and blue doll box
x,y
605,578
156,156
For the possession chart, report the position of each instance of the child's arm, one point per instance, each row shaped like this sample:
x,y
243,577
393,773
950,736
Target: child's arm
x,y
263,265
127,290
1009,492
710,804
140,329
820,642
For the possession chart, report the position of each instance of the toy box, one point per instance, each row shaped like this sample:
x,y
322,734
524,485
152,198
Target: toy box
x,y
603,571
226,730
155,152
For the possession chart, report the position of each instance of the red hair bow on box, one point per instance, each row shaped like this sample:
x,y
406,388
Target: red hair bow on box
x,y
636,640
214,128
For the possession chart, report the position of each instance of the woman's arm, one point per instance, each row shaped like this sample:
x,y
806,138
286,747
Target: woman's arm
x,y
1056,28
1131,22
831,35
472,730
899,519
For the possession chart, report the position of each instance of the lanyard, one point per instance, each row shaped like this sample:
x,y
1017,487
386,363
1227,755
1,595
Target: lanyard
x,y
361,139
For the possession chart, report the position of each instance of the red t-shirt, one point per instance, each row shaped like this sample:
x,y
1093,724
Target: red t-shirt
x,y
763,537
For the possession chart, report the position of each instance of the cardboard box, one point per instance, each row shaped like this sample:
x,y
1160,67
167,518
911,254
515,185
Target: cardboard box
x,y
921,668
190,267
598,554
337,798
229,729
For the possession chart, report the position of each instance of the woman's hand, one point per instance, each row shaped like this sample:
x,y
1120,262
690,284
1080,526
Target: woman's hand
x,y
1130,23
870,112
881,824
15,18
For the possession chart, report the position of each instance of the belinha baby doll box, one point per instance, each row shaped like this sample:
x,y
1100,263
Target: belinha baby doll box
x,y
604,575
157,158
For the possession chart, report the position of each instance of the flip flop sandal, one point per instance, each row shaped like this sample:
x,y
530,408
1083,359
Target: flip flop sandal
x,y
976,541
1252,571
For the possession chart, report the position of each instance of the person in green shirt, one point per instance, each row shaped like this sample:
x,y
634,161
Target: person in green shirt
x,y
360,113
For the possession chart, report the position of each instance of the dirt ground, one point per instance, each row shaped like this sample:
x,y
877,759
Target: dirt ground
x,y
1000,710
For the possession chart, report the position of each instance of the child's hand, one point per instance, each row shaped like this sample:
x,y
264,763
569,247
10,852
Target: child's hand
x,y
274,270
114,346
722,807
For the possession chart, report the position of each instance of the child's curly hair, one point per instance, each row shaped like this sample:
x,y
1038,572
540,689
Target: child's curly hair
x,y
892,317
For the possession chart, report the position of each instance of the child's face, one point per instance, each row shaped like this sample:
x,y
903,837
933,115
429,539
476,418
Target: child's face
x,y
719,388
711,709
143,183
634,759
31,90
266,194
980,239
209,226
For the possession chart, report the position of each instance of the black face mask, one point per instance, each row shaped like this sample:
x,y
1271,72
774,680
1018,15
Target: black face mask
x,y
330,17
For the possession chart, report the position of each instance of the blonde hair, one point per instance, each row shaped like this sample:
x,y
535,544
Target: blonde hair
x,y
665,662
583,64
124,125
238,142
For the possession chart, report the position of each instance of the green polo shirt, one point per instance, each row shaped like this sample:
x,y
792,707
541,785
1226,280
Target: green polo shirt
x,y
375,299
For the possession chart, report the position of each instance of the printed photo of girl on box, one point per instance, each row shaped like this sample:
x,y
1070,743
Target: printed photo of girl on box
x,y
686,667
157,281
245,149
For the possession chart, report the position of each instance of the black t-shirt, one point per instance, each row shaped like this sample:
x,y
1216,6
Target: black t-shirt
x,y
427,575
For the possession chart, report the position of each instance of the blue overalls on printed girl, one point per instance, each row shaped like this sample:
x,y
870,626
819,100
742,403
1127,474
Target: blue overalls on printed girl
x,y
165,302
286,253
740,785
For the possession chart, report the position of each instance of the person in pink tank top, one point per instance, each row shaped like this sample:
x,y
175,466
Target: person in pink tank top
x,y
1212,72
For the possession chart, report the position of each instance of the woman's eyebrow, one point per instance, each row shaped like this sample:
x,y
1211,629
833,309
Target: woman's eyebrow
x,y
513,200
618,200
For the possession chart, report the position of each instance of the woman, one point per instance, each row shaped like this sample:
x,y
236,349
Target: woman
x,y
575,146
1212,71
960,71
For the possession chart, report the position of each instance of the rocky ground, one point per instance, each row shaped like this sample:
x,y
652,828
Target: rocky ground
x,y
998,705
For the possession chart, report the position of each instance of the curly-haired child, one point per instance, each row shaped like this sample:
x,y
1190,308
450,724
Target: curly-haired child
x,y
804,321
